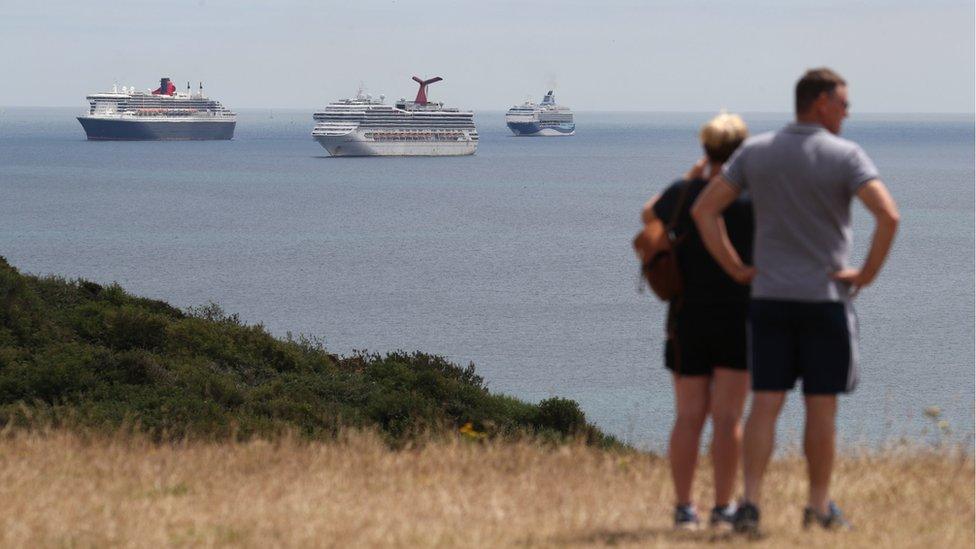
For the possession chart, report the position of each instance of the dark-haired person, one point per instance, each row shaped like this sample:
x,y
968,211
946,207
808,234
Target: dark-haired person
x,y
802,180
706,347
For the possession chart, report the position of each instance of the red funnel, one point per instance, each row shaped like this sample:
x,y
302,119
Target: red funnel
x,y
422,92
166,87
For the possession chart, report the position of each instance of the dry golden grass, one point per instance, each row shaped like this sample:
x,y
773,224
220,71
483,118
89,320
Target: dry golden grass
x,y
59,489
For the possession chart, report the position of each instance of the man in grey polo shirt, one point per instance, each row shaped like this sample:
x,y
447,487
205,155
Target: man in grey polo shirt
x,y
802,180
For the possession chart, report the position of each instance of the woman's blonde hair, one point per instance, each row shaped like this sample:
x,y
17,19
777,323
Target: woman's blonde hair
x,y
722,135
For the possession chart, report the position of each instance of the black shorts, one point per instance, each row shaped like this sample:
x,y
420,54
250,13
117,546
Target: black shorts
x,y
702,337
815,341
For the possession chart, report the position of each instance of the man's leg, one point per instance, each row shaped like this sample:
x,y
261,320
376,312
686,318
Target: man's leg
x,y
818,445
828,357
691,403
729,391
759,440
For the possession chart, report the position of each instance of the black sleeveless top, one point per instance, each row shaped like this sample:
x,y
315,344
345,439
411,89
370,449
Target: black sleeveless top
x,y
704,280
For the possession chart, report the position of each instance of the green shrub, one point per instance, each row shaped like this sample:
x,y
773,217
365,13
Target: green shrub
x,y
561,415
79,353
131,327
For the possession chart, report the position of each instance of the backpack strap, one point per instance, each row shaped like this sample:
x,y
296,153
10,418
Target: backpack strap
x,y
676,215
678,205
671,324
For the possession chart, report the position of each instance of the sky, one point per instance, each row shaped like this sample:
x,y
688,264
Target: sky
x,y
898,56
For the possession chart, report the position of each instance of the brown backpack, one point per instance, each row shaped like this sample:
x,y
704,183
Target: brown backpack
x,y
656,247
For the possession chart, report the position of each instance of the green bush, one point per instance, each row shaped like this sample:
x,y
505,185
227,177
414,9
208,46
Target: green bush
x,y
79,353
561,415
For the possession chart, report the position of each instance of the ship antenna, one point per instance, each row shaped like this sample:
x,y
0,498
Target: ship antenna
x,y
422,92
201,89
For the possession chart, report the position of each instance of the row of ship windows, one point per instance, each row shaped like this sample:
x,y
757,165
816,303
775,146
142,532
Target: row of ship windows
x,y
420,132
164,112
395,119
415,123
402,125
124,105
154,99
167,112
422,136
402,112
386,129
391,116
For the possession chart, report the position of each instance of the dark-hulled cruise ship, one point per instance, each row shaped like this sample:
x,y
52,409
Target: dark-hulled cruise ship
x,y
157,115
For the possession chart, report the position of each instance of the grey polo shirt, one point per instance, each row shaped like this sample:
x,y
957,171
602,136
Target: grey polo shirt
x,y
802,180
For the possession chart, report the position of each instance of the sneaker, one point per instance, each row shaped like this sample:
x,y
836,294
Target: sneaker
x,y
833,520
746,519
722,517
685,517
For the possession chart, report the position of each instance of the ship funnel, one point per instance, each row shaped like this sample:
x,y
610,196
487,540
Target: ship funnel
x,y
166,87
422,92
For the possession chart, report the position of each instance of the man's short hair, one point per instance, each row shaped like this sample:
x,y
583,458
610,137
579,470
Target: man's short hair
x,y
812,84
722,135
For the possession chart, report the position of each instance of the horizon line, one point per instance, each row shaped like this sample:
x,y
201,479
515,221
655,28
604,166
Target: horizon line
x,y
594,111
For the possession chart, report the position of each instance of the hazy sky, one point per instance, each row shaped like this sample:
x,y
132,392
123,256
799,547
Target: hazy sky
x,y
682,55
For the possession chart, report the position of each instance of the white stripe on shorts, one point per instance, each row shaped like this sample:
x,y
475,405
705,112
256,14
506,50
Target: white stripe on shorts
x,y
852,334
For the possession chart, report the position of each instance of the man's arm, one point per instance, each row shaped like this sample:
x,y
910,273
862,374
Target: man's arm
x,y
707,212
875,197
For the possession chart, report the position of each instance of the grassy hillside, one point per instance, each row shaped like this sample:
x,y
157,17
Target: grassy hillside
x,y
79,354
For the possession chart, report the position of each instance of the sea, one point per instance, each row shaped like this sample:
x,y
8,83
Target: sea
x,y
517,259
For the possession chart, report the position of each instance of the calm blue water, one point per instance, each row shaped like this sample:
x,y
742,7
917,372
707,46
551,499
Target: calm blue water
x,y
517,259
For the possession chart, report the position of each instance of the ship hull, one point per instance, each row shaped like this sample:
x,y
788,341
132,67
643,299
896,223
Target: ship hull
x,y
534,129
109,129
354,144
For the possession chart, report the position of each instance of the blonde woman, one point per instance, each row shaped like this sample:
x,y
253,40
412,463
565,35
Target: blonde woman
x,y
706,345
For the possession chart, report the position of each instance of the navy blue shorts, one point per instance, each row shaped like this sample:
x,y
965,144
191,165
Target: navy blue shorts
x,y
702,337
813,341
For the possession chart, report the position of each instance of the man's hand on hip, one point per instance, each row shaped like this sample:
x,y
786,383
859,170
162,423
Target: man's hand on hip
x,y
744,274
856,278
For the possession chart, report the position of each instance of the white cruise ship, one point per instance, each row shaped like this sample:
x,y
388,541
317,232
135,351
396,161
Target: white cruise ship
x,y
364,126
541,119
161,114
